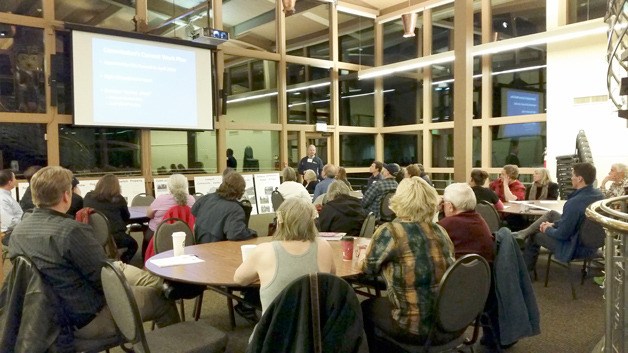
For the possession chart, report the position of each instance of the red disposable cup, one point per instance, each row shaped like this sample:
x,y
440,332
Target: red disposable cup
x,y
347,248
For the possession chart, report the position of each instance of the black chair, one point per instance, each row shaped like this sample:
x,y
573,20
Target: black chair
x,y
318,312
102,231
368,227
489,213
455,309
248,208
186,336
385,213
591,235
31,318
276,199
142,199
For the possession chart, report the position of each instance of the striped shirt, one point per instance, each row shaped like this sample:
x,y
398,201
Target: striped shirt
x,y
412,257
374,194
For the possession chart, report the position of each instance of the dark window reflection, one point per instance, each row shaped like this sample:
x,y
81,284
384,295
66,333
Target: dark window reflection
x,y
22,75
21,146
356,101
443,148
88,150
31,8
357,150
519,144
401,149
402,101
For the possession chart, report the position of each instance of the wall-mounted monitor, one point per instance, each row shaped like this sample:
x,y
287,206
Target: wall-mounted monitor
x,y
142,83
520,102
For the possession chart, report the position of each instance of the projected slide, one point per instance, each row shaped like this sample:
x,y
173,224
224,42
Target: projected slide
x,y
130,82
522,102
139,78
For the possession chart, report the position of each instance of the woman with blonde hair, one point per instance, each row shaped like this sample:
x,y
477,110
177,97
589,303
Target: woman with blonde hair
x,y
107,198
310,180
342,212
542,187
412,253
296,250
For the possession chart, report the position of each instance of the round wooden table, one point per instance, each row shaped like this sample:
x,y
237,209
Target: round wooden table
x,y
534,208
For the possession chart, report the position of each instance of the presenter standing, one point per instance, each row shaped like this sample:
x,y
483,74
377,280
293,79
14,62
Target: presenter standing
x,y
311,161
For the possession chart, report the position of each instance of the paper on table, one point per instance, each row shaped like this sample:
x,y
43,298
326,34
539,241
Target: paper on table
x,y
176,260
331,235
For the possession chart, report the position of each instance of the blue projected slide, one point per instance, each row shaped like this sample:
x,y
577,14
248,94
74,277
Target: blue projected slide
x,y
132,79
522,102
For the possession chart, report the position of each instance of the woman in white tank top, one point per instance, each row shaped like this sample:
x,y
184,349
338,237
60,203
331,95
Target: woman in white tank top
x,y
295,251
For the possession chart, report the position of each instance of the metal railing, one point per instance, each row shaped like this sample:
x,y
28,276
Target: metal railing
x,y
611,214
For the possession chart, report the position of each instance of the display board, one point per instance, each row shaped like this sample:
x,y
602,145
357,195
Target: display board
x,y
131,187
264,186
160,185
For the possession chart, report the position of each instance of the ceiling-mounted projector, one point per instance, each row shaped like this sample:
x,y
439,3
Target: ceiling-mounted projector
x,y
212,36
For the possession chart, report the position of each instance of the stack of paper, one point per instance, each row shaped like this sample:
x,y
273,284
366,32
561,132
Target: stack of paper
x,y
176,260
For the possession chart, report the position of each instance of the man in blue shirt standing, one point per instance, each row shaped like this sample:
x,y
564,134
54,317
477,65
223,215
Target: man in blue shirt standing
x,y
559,233
311,161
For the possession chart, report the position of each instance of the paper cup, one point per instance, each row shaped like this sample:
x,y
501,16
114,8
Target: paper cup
x,y
347,248
246,251
178,243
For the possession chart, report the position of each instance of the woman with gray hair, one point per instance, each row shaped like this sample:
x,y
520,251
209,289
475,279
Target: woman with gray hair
x,y
296,250
178,194
466,228
290,188
342,212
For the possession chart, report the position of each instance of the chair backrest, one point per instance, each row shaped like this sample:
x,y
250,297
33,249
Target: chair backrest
x,y
122,305
368,226
248,208
197,195
102,231
142,199
592,234
385,213
163,234
489,213
27,213
276,199
456,309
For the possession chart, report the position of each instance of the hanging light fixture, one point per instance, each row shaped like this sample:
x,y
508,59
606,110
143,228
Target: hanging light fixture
x,y
288,6
409,24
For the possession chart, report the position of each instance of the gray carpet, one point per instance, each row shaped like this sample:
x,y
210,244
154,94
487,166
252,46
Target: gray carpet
x,y
573,326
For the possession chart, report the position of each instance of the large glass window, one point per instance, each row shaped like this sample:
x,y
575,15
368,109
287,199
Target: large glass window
x,y
101,14
357,150
356,40
442,148
397,47
442,92
403,149
256,151
308,94
22,75
584,10
512,20
183,152
96,150
442,28
31,8
519,144
519,82
21,146
403,99
308,28
252,91
356,101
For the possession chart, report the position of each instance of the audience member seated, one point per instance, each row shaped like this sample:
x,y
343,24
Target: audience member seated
x,y
9,208
290,188
424,175
542,188
342,176
559,233
374,194
412,253
26,201
466,228
178,194
69,258
77,199
219,216
107,199
329,175
310,180
296,251
400,175
412,170
342,212
619,180
508,188
478,179
376,173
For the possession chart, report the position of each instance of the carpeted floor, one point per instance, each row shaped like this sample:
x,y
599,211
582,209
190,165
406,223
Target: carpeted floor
x,y
568,326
